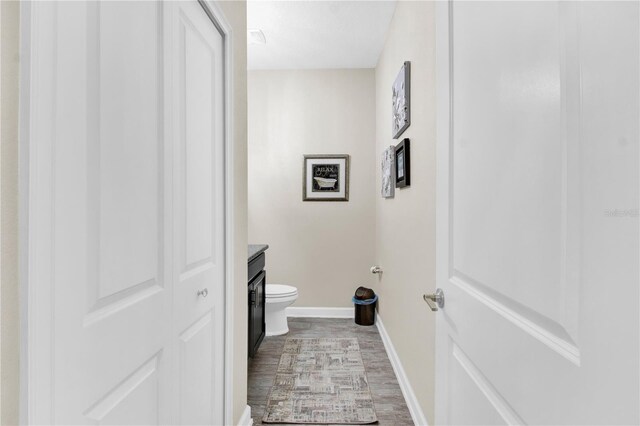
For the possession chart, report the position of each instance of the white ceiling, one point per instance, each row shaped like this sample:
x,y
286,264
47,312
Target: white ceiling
x,y
306,34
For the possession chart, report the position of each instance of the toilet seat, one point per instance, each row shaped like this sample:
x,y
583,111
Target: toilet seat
x,y
275,291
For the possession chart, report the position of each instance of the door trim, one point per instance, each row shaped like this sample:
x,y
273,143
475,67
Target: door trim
x,y
218,18
36,345
36,332
444,105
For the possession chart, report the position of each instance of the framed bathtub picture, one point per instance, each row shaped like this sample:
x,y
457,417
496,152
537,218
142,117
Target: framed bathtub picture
x,y
325,178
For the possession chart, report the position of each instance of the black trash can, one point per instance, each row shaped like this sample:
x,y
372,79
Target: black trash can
x,y
365,310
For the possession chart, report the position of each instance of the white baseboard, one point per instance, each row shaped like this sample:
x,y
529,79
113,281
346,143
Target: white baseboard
x,y
245,419
304,312
417,415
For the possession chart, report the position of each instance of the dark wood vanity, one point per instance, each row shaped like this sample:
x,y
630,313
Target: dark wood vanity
x,y
257,297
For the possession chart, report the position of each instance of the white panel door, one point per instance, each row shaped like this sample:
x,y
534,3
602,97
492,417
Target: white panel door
x,y
538,213
107,179
198,170
126,214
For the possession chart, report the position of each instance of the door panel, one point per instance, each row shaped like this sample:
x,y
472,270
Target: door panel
x,y
108,222
198,134
124,153
133,401
127,162
469,384
126,45
538,210
508,149
510,195
196,372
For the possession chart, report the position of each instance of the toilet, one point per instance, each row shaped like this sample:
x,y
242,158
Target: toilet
x,y
278,297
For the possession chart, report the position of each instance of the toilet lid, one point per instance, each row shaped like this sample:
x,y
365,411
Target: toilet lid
x,y
280,290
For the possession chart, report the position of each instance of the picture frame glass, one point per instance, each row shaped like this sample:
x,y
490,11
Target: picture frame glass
x,y
400,160
325,177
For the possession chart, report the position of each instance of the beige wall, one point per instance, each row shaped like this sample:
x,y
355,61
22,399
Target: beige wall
x,y
236,13
325,249
9,287
405,225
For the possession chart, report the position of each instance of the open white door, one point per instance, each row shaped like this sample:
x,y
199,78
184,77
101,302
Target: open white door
x,y
538,213
125,182
198,182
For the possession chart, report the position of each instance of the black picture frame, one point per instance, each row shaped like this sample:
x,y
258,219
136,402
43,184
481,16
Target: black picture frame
x,y
403,164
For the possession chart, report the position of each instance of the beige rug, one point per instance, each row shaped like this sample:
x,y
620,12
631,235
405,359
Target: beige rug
x,y
320,381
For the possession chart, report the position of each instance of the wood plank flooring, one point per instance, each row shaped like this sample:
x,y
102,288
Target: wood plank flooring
x,y
390,406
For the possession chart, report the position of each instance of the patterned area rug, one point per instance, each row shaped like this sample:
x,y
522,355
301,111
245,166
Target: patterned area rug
x,y
320,381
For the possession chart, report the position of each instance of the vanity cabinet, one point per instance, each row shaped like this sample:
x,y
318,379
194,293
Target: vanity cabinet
x,y
256,300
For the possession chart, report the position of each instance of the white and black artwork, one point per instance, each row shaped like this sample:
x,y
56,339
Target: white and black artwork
x,y
388,172
325,178
401,111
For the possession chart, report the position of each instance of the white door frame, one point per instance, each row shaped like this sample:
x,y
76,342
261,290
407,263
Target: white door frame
x,y
36,331
216,15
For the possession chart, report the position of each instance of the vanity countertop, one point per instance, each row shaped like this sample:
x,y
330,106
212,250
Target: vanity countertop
x,y
256,249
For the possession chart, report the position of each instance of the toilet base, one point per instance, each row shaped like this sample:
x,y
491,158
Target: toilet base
x,y
276,320
277,333
278,298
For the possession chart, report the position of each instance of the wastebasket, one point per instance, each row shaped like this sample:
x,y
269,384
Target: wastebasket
x,y
365,310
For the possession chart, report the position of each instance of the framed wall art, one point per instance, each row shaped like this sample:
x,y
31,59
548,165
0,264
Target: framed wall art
x,y
388,164
325,178
401,111
403,162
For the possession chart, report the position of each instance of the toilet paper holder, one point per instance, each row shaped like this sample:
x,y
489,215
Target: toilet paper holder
x,y
376,270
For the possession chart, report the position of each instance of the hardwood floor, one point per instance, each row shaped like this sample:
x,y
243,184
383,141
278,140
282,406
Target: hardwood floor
x,y
390,406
